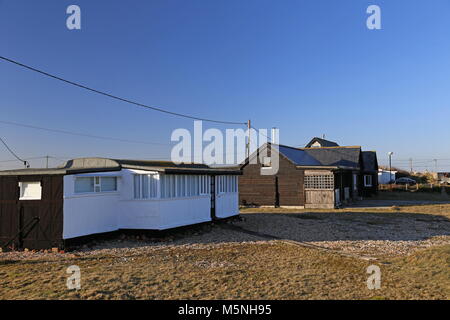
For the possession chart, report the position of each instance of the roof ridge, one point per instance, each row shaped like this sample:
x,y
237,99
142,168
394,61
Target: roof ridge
x,y
335,147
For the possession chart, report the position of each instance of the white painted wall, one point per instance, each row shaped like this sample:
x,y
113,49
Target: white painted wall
x,y
89,213
86,214
383,176
227,205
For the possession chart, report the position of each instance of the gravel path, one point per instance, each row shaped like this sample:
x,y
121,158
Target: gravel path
x,y
376,234
365,234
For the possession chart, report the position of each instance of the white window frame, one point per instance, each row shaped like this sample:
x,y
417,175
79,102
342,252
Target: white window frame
x,y
97,184
366,184
33,197
227,184
186,186
153,187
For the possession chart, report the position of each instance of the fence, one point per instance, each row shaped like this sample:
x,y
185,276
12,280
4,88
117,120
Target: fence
x,y
426,187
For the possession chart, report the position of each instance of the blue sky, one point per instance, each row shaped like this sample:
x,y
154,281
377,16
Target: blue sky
x,y
307,67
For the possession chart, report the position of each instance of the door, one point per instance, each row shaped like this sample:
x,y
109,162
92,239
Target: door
x,y
226,196
28,226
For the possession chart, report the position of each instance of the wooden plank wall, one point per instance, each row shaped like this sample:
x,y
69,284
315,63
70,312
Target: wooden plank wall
x,y
260,190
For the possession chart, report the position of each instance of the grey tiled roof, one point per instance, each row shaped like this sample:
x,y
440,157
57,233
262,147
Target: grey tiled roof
x,y
298,156
336,156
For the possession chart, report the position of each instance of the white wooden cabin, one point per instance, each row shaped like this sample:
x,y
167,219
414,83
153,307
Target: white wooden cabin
x,y
150,195
89,196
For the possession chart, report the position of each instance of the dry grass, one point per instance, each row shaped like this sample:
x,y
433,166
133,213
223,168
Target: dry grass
x,y
252,269
437,209
265,270
412,195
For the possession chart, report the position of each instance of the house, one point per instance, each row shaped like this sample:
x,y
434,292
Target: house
x,y
43,208
321,142
386,176
443,177
369,171
315,177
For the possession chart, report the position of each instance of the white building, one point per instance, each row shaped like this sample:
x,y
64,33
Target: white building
x,y
103,195
385,176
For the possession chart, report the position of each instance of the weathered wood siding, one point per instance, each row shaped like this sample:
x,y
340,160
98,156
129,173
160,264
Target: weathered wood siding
x,y
283,189
40,221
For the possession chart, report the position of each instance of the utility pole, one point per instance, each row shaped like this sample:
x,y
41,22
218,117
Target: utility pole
x,y
390,167
46,158
249,126
410,165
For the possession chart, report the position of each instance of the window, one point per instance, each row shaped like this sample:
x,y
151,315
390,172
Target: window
x,y
145,186
84,184
180,186
367,181
95,184
108,184
30,190
319,182
227,184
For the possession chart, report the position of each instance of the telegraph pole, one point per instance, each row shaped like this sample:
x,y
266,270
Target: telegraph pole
x,y
46,158
390,168
410,165
248,139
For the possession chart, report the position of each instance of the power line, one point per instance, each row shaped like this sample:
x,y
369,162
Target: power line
x,y
78,134
25,163
114,96
259,132
33,158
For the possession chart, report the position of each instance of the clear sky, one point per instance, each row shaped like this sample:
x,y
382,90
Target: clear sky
x,y
308,67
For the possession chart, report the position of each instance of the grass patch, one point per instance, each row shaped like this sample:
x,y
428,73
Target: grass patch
x,y
411,196
269,270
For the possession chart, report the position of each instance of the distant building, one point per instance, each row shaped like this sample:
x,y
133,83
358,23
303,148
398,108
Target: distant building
x,y
385,176
443,177
320,143
311,177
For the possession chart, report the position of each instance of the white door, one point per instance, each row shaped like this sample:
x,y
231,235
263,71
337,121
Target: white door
x,y
227,196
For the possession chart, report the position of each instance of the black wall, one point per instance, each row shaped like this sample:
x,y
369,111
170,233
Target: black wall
x,y
34,224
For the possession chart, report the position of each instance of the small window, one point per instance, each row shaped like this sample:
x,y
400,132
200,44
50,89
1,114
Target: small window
x,y
108,184
367,181
95,184
30,190
84,184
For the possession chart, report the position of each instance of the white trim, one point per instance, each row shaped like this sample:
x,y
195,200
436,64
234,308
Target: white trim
x,y
371,182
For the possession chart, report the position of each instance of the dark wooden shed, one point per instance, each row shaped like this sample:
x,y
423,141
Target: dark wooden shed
x,y
36,223
316,177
